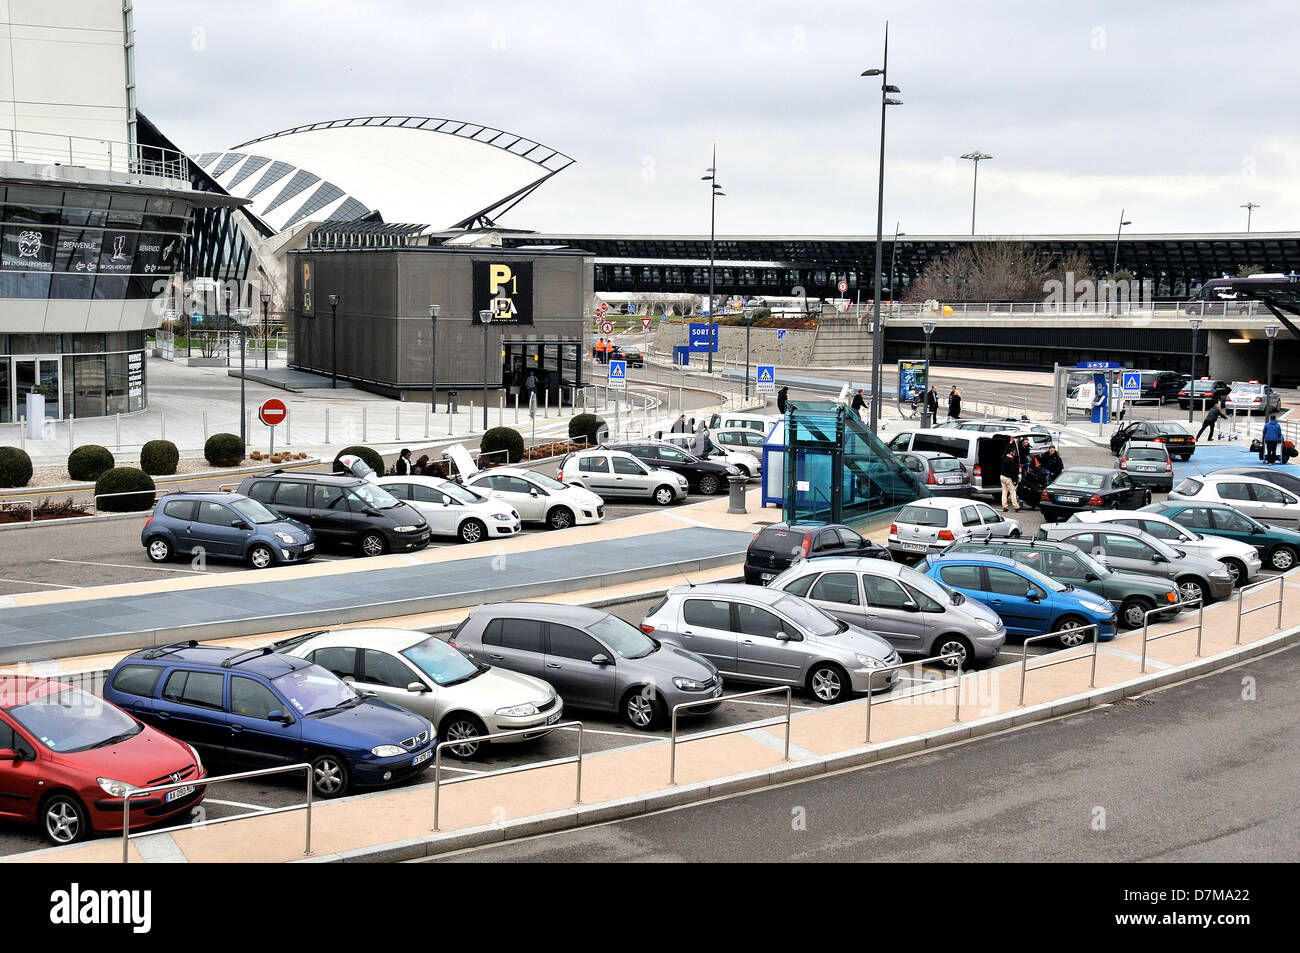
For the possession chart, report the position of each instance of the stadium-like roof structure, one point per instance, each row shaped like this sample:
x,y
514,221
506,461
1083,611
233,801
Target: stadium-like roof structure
x,y
447,172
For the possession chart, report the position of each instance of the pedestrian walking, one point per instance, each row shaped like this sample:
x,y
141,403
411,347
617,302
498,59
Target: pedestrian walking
x,y
530,386
932,404
700,445
857,403
403,465
680,426
1272,437
1010,477
1211,418
781,396
954,404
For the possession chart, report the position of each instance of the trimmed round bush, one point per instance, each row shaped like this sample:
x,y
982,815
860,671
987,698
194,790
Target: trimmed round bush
x,y
224,450
159,458
373,459
15,467
503,438
89,462
125,480
588,426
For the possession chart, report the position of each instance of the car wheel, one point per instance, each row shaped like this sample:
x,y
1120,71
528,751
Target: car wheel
x,y
1014,534
829,683
159,550
744,471
1133,613
643,708
709,484
460,725
329,775
954,644
1282,558
260,556
64,819
472,531
1190,589
372,544
1073,631
1146,498
1236,570
561,517
664,495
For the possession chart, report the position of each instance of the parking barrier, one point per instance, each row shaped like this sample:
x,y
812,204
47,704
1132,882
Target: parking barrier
x,y
31,510
204,782
672,740
437,760
1026,668
1199,627
918,662
1281,581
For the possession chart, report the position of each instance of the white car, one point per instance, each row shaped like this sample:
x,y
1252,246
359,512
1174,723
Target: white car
x,y
741,439
744,461
463,698
537,498
1256,498
928,526
1252,397
454,510
1242,560
762,423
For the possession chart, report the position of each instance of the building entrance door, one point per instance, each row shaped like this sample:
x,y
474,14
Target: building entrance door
x,y
40,375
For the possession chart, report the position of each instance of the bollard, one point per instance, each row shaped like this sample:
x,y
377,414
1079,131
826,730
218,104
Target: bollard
x,y
451,424
397,423
72,440
365,437
327,425
427,414
516,408
288,431
736,500
162,426
471,417
117,425
501,406
205,427
546,404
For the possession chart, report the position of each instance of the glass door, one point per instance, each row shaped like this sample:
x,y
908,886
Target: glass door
x,y
39,375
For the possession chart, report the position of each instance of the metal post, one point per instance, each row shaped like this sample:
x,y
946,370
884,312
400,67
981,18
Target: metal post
x,y
327,425
433,359
307,846
243,413
516,408
334,325
713,217
162,425
397,422
957,715
266,333
1191,385
365,426
501,406
117,426
428,414
205,427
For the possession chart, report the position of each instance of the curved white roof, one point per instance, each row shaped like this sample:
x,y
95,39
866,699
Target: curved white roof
x,y
443,172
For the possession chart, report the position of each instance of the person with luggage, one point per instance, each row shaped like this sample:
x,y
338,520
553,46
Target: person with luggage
x,y
1214,415
1010,476
1272,437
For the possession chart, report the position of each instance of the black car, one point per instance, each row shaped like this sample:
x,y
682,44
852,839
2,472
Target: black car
x,y
1176,438
1159,386
775,548
1204,392
1285,478
634,356
1081,489
343,511
704,476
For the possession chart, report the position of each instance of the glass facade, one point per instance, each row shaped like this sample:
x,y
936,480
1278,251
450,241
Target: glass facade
x,y
80,375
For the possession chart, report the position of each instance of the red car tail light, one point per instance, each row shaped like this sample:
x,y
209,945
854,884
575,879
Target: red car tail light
x,y
1095,500
929,478
946,534
807,541
893,529
977,473
1123,462
647,629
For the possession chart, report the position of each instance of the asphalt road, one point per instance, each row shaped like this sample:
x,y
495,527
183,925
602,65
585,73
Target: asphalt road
x,y
1190,773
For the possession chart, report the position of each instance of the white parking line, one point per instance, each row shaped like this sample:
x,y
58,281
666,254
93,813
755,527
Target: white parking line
x,y
447,767
83,562
247,807
778,705
29,582
616,734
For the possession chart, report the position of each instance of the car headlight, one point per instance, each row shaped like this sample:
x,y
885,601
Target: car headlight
x,y
986,625
514,514
197,760
283,537
1100,607
406,529
518,711
1220,574
503,516
387,751
733,471
681,479
115,788
688,684
869,662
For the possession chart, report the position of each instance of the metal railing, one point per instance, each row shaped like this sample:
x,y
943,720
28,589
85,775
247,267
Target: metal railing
x,y
31,508
942,685
127,836
113,156
1281,581
437,761
1148,637
704,702
1111,304
152,494
1026,668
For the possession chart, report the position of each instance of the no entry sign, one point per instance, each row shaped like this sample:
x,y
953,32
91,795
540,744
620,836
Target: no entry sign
x,y
843,286
273,412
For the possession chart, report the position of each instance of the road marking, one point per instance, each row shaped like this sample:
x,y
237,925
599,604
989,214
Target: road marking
x,y
447,767
777,743
28,582
247,807
160,849
617,734
83,562
1132,657
780,705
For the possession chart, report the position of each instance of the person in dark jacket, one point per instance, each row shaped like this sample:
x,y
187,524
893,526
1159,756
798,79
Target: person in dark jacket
x,y
1272,437
1052,463
932,404
422,465
1210,420
857,403
681,426
781,397
403,465
954,404
1024,453
1010,477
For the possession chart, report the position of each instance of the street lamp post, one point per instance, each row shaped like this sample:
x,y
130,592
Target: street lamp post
x,y
486,318
977,157
715,191
1191,385
749,320
878,337
893,256
1249,207
928,328
334,328
1271,331
1114,265
242,315
433,359
266,333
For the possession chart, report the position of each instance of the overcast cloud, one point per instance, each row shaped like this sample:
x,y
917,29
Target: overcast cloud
x,y
1176,111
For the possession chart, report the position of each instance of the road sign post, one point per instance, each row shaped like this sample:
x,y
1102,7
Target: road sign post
x,y
618,375
271,413
765,379
1131,382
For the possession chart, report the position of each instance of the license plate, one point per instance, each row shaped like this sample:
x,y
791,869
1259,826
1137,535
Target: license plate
x,y
309,547
421,758
1067,499
178,794
918,547
767,576
951,480
553,718
1147,469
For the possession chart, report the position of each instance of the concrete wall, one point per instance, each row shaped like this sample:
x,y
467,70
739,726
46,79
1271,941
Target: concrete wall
x,y
764,348
842,342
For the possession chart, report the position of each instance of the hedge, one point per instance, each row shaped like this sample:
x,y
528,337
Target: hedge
x,y
89,462
224,450
15,467
159,458
502,438
373,459
588,426
124,480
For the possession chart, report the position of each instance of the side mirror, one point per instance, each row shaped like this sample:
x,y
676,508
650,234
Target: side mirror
x,y
1158,558
783,637
1090,577
280,716
371,511
600,659
910,606
417,687
533,492
1033,595
9,754
239,524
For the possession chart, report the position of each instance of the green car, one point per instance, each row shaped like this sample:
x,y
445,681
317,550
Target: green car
x,y
1277,546
1132,594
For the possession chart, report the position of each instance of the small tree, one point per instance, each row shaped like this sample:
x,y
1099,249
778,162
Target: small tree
x,y
224,450
587,427
159,458
502,438
125,480
88,462
15,467
373,459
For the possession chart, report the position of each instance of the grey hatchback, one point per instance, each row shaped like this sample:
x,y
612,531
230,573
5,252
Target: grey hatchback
x,y
228,525
594,659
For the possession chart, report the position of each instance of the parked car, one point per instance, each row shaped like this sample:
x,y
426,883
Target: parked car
x,y
923,527
463,698
942,475
748,462
1240,559
343,511
755,634
225,525
703,476
617,474
1149,464
1159,386
594,659
761,423
916,614
1040,437
454,510
740,438
539,499
634,356
260,709
1083,488
979,452
1284,477
1251,397
1131,550
1028,602
1277,545
67,759
1202,393
1132,594
775,548
1260,499
1172,434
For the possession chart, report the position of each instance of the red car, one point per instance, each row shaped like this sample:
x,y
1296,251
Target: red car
x,y
68,757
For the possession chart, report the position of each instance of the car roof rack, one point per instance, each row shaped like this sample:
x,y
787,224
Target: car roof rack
x,y
239,657
170,649
295,640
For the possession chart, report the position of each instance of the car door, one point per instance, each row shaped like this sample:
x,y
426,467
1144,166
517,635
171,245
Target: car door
x,y
331,515
214,528
1008,598
1275,505
1126,492
768,646
569,667
1237,495
1130,554
253,737
825,542
887,614
440,511
387,675
631,477
293,499
994,522
180,520
597,475
707,629
515,644
20,781
192,707
840,594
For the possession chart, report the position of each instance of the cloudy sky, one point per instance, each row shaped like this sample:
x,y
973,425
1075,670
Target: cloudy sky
x,y
1177,111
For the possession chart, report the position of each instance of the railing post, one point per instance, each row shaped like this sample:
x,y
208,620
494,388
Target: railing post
x,y
310,786
117,427
957,715
1200,626
577,794
365,438
327,425
1241,603
397,423
1024,673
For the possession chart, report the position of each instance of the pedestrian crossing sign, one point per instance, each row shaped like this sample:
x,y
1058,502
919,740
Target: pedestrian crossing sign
x,y
618,375
1132,383
766,377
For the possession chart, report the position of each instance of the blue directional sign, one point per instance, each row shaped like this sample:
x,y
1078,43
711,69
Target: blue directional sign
x,y
699,339
780,334
765,375
618,375
1098,365
1132,383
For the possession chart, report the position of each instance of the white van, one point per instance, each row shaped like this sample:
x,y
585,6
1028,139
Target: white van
x,y
1080,397
763,423
980,453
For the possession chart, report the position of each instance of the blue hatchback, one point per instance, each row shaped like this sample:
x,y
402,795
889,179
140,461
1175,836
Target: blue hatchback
x,y
1028,602
228,525
260,709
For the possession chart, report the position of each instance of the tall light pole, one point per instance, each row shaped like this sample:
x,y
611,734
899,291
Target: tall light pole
x,y
878,337
486,318
749,320
893,256
1191,385
266,334
1249,207
242,314
1271,331
1114,265
433,359
977,157
928,328
334,330
715,191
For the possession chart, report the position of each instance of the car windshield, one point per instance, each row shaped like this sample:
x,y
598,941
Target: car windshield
x,y
73,720
546,483
441,662
945,464
1248,389
922,516
1164,427
374,497
462,493
624,638
1147,453
255,512
808,617
313,690
1079,481
1045,581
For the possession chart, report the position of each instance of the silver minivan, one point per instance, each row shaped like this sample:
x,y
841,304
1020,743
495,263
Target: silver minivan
x,y
616,474
916,614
